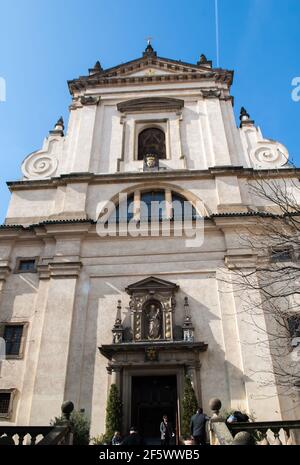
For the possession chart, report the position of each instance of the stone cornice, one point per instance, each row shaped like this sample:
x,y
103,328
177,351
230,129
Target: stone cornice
x,y
75,228
150,104
138,63
237,261
125,177
110,350
177,71
83,83
59,270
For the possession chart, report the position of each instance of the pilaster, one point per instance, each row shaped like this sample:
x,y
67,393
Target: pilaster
x,y
52,364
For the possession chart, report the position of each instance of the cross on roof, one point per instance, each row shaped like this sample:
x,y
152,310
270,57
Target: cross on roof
x,y
149,38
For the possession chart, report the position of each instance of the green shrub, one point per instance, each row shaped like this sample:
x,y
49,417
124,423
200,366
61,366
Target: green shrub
x,y
100,440
113,421
188,408
80,425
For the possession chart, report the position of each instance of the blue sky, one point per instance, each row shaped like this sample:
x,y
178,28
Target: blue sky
x,y
43,43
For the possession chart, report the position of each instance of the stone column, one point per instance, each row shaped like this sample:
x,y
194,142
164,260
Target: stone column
x,y
84,143
137,205
191,373
7,241
50,383
217,132
115,376
4,272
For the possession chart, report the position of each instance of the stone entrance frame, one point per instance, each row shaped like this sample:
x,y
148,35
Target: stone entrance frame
x,y
141,356
177,358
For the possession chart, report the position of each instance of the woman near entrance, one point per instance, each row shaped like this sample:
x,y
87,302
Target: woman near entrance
x,y
166,431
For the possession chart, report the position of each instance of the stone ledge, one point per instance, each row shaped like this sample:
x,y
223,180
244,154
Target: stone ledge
x,y
241,261
59,270
108,350
4,271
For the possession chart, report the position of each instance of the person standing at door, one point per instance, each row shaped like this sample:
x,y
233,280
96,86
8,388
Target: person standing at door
x,y
166,431
197,427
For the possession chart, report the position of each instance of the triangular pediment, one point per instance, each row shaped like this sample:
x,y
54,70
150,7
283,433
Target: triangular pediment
x,y
153,66
150,68
151,283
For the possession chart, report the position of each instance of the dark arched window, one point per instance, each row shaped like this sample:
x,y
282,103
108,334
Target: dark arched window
x,y
152,141
151,205
182,208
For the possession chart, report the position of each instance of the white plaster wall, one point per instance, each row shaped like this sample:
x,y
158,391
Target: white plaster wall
x,y
25,204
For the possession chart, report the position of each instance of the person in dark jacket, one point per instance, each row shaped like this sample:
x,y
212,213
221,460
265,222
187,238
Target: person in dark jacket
x,y
116,439
237,417
197,427
133,439
166,431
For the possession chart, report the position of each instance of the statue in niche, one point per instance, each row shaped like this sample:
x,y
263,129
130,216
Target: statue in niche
x,y
154,322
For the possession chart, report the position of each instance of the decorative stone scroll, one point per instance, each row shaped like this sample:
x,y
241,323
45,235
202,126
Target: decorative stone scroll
x,y
269,155
39,165
43,163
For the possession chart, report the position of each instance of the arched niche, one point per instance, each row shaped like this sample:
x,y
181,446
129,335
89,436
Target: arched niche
x,y
144,294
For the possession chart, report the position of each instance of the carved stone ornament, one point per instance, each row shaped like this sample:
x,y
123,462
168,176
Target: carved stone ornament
x,y
118,329
39,165
89,100
151,354
152,305
151,162
269,155
211,93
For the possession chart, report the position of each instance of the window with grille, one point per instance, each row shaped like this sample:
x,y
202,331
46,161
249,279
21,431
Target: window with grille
x,y
5,399
27,266
152,141
13,339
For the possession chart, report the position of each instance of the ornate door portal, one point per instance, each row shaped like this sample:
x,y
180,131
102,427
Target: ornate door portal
x,y
149,357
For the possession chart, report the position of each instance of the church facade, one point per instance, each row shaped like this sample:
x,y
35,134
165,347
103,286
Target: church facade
x,y
97,288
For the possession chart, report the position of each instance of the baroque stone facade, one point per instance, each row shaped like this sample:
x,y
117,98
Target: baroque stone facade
x,y
97,310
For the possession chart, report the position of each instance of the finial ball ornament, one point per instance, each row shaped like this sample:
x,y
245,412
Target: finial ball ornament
x,y
67,407
243,438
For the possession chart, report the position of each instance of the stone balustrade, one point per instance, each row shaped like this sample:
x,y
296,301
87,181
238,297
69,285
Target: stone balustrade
x,y
251,433
269,432
40,435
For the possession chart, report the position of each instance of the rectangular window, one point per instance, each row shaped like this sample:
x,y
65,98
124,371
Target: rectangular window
x,y
13,338
27,266
5,403
281,255
294,325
